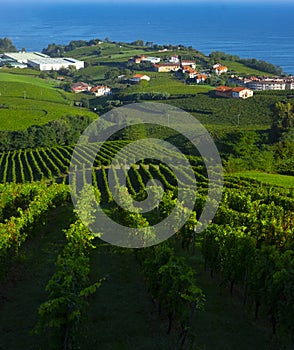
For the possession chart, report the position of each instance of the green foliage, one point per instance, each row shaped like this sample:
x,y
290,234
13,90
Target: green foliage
x,y
250,244
29,206
69,287
63,131
6,45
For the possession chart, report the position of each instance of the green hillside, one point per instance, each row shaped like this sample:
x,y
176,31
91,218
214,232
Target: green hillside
x,y
29,100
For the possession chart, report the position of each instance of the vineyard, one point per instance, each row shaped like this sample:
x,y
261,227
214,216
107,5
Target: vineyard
x,y
248,246
28,165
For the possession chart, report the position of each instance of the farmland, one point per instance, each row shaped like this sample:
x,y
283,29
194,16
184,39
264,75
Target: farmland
x,y
27,101
63,285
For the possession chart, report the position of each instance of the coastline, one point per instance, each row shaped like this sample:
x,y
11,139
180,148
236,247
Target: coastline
x,y
243,30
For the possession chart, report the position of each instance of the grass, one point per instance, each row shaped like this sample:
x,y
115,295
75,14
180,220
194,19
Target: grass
x,y
271,179
241,68
30,91
23,113
166,82
24,78
27,100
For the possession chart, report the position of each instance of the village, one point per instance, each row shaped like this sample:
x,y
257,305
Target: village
x,y
238,86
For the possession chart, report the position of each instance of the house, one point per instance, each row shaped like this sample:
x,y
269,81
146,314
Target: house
x,y
153,60
216,65
267,84
80,87
191,63
100,90
200,78
138,77
263,83
137,59
192,72
167,67
241,92
174,59
237,92
223,91
219,69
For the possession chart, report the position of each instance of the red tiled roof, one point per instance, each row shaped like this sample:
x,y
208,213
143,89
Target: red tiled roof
x,y
239,88
223,89
221,68
138,75
189,69
96,88
167,64
80,84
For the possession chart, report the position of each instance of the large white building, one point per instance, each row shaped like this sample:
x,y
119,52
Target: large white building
x,y
23,57
43,62
47,64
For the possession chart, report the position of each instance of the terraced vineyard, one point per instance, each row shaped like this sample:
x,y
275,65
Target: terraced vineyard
x,y
39,164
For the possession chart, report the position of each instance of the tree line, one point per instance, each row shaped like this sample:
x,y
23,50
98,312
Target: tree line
x,y
63,131
249,62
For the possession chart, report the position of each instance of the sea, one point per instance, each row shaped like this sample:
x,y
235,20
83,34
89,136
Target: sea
x,y
263,30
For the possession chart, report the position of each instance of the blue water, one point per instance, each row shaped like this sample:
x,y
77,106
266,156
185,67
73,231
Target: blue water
x,y
263,31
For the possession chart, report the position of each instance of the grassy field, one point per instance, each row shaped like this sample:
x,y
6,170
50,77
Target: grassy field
x,y
27,100
24,78
166,82
23,113
272,179
241,68
30,91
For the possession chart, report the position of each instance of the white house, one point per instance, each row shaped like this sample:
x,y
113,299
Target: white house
x,y
219,69
100,90
139,77
174,59
185,63
201,78
167,67
80,87
153,60
241,92
267,85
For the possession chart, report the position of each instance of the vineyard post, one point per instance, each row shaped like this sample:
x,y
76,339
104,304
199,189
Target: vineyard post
x,y
194,239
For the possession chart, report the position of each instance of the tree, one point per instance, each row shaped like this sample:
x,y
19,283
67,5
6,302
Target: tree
x,y
112,74
138,42
284,116
6,45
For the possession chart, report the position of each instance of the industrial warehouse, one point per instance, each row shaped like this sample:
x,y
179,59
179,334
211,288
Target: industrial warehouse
x,y
38,60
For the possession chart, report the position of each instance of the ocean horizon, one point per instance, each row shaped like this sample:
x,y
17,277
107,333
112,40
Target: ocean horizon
x,y
261,30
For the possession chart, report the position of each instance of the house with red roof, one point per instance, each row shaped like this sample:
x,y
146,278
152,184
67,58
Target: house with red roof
x,y
167,67
242,92
80,87
190,63
200,78
100,90
137,59
219,69
237,92
139,77
188,69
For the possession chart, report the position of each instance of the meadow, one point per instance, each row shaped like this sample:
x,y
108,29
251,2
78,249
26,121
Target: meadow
x,y
29,100
271,179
